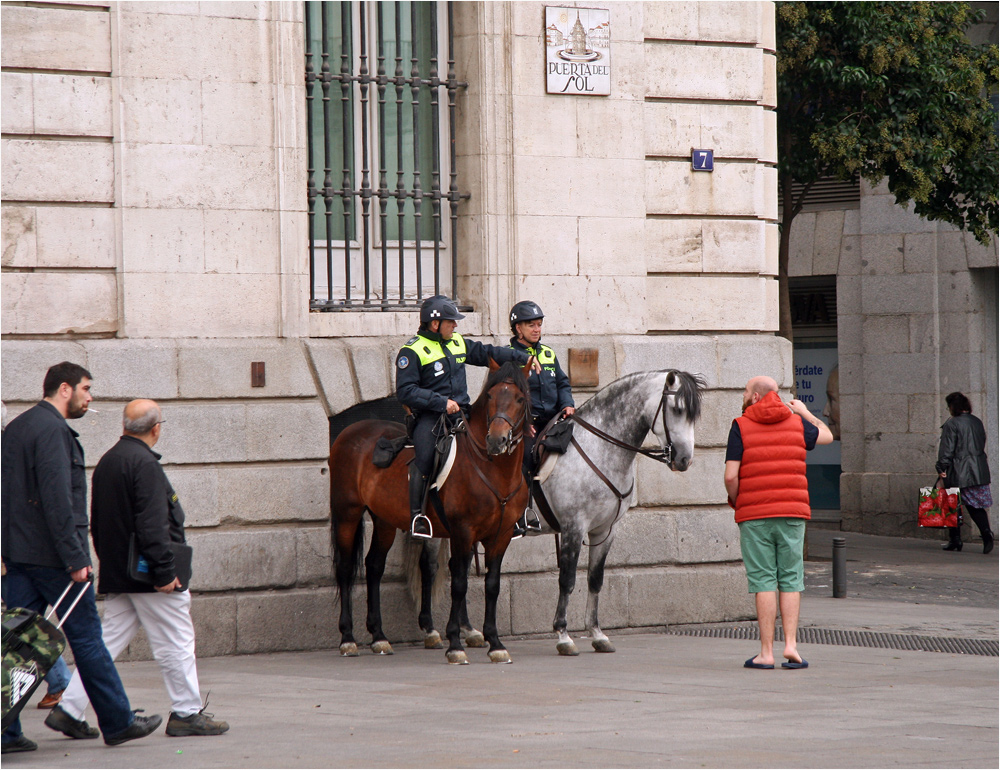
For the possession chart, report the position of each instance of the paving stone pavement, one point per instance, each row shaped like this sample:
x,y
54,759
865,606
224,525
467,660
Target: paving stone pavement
x,y
663,700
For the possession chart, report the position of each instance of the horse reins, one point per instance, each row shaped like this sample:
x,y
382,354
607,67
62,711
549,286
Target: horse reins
x,y
664,455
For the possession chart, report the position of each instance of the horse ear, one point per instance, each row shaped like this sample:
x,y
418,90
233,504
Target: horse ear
x,y
526,371
671,379
494,366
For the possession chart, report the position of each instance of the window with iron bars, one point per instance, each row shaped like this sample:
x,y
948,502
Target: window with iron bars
x,y
383,192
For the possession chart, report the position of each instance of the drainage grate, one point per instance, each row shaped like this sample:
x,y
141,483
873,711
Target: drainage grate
x,y
987,647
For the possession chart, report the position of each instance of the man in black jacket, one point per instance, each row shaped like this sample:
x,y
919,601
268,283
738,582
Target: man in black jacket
x,y
551,393
44,522
132,497
430,380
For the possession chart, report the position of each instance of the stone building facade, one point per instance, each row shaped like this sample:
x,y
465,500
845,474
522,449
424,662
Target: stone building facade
x,y
916,306
155,230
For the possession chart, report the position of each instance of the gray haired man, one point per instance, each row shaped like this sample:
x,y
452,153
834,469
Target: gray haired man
x,y
132,496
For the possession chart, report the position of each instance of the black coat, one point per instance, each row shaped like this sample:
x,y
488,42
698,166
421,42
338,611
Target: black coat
x,y
962,452
132,494
427,387
550,390
44,497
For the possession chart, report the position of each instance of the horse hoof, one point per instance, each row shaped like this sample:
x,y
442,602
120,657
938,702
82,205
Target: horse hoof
x,y
382,647
567,648
475,639
603,645
348,650
457,658
433,641
500,656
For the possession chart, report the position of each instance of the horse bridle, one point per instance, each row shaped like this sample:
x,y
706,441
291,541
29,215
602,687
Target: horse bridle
x,y
665,455
517,425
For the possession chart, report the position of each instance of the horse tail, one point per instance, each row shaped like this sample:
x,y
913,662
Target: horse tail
x,y
440,551
357,552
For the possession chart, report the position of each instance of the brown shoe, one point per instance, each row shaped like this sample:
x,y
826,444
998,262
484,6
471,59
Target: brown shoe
x,y
51,699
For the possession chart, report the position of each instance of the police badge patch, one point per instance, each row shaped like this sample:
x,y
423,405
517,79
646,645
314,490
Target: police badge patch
x,y
402,362
438,366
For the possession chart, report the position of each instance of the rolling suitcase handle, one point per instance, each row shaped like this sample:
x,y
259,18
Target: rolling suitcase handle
x,y
79,596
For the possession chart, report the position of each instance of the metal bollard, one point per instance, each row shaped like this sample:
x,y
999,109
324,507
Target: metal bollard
x,y
839,568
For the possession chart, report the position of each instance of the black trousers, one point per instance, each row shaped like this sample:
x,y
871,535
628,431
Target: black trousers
x,y
423,441
981,520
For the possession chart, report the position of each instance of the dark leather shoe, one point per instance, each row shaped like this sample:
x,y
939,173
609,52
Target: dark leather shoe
x,y
20,743
141,727
952,546
62,722
988,543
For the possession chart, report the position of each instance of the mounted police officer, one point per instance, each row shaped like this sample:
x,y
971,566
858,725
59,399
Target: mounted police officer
x,y
551,393
430,380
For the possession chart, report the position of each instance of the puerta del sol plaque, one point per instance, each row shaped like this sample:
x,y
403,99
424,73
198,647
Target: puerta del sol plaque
x,y
578,51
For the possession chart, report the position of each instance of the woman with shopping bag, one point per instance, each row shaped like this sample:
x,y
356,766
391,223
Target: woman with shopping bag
x,y
962,463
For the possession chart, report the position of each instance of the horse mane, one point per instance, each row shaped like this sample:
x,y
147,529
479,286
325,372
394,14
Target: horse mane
x,y
688,395
507,372
689,392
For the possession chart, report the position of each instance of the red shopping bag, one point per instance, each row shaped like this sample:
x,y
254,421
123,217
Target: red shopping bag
x,y
939,507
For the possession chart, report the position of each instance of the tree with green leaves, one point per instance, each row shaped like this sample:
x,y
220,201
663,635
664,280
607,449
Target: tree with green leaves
x,y
886,91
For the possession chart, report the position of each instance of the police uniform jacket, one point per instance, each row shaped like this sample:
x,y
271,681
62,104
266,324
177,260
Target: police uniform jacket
x,y
44,492
430,370
132,494
550,390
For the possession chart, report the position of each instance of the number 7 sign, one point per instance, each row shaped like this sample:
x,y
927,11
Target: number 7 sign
x,y
701,160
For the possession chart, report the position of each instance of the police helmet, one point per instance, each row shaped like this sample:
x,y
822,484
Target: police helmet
x,y
525,310
439,308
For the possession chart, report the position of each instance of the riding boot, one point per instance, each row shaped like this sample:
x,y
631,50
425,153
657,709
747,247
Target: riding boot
x,y
982,521
529,518
420,525
954,539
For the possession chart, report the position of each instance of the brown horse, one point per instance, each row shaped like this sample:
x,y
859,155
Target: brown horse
x,y
484,496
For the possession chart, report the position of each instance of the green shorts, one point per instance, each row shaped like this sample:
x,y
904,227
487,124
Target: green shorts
x,y
772,553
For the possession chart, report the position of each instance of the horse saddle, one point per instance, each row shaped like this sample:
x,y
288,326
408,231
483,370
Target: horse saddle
x,y
387,449
553,441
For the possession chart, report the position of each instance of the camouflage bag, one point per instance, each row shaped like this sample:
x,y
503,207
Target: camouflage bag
x,y
31,646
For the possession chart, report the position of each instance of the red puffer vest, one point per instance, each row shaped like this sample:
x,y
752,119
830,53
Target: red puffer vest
x,y
773,470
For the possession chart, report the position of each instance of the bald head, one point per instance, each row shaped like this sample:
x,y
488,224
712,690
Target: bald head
x,y
762,385
140,418
756,389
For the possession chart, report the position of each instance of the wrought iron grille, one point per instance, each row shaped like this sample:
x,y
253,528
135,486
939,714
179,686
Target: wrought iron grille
x,y
377,207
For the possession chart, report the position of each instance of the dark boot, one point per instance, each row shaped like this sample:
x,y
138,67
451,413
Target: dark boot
x,y
420,525
982,521
954,539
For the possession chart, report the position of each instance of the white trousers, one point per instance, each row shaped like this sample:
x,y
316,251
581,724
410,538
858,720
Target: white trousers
x,y
166,619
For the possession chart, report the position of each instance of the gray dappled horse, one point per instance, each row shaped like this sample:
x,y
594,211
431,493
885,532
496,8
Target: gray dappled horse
x,y
665,402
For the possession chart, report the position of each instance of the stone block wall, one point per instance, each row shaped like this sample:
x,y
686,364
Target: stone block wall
x,y
155,231
916,320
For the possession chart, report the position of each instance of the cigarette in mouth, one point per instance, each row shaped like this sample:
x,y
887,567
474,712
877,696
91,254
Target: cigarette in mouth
x,y
92,411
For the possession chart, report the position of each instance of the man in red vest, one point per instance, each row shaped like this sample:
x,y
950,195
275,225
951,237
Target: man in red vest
x,y
766,483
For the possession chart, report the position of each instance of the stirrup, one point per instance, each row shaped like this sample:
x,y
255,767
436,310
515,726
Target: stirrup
x,y
423,535
530,519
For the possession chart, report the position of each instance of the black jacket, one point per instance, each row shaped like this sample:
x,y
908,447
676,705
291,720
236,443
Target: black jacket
x,y
962,452
44,497
550,390
429,370
132,494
